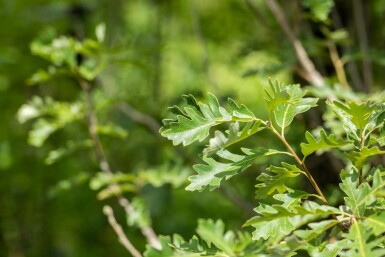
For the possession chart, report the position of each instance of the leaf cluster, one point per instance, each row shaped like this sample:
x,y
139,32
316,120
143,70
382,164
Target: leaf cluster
x,y
289,221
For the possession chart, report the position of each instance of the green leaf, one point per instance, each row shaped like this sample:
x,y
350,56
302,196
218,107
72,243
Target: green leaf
x,y
284,102
194,124
271,184
376,222
275,220
70,148
51,116
211,173
358,196
172,174
235,134
329,250
194,247
320,9
140,215
358,119
214,233
166,250
324,142
362,243
359,157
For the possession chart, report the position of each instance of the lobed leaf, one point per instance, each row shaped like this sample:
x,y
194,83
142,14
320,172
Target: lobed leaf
x,y
214,233
235,134
360,156
275,220
324,142
358,119
362,243
359,197
284,102
376,221
270,184
211,174
195,122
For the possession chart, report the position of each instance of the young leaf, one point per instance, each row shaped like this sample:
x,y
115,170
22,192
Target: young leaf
x,y
275,183
284,102
358,118
214,233
220,141
358,196
359,157
325,142
194,124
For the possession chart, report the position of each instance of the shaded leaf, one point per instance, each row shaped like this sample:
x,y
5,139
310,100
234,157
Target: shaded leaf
x,y
360,156
214,233
320,9
276,183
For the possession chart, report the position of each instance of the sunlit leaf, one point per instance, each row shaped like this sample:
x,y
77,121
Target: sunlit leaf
x,y
324,142
197,119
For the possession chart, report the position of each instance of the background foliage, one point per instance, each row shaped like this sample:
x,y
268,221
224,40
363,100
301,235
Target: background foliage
x,y
153,52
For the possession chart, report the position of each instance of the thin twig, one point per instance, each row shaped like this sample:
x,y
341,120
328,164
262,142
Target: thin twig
x,y
140,117
338,65
363,41
308,66
107,210
148,232
351,67
302,164
92,128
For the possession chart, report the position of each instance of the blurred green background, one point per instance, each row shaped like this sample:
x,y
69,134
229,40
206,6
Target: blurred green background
x,y
157,50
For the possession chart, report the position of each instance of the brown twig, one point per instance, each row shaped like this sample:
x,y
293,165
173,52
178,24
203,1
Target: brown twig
x,y
302,164
148,232
107,210
338,65
313,76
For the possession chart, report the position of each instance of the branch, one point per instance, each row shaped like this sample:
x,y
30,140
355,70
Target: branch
x,y
148,232
338,65
107,210
140,117
92,128
314,77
